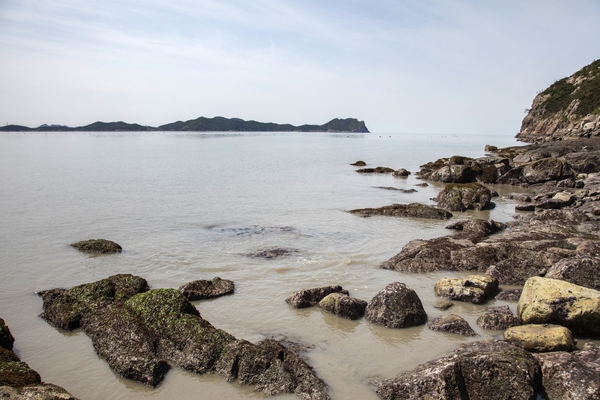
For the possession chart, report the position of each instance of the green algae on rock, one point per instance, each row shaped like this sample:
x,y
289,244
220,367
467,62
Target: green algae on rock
x,y
101,246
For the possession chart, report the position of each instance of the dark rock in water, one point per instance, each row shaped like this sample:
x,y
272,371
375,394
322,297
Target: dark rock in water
x,y
376,170
102,246
343,305
509,295
312,297
359,164
582,270
490,148
498,319
451,324
272,253
525,207
398,189
473,289
205,289
462,197
412,210
18,380
6,339
422,184
487,369
140,334
65,309
571,376
396,306
401,173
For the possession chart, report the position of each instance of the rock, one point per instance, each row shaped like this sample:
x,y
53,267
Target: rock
x,y
102,246
487,369
6,339
509,295
525,207
343,305
498,319
396,306
582,270
551,301
412,210
547,169
473,289
454,170
422,184
401,173
376,170
525,198
359,164
141,334
311,297
462,197
205,289
477,228
443,305
541,338
490,148
451,324
398,189
571,376
44,391
18,374
273,252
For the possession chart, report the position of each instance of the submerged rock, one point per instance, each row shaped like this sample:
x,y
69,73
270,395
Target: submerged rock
x,y
141,332
498,319
102,246
376,170
571,376
451,324
311,297
467,196
487,369
551,301
205,289
272,253
343,305
412,210
396,306
541,338
473,289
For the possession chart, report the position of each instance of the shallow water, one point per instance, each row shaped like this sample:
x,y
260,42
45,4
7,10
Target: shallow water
x,y
190,206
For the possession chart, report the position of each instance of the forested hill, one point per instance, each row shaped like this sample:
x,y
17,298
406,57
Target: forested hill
x,y
202,124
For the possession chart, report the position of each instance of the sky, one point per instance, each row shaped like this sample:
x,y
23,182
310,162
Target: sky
x,y
410,66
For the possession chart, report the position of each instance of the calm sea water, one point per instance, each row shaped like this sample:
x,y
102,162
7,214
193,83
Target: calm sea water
x,y
189,206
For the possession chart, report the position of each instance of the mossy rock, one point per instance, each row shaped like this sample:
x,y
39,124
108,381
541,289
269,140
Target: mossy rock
x,y
101,246
18,374
343,306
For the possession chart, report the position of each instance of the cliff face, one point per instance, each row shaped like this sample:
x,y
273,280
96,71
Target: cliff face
x,y
569,108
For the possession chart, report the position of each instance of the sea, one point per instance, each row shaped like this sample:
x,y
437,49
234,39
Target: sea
x,y
187,206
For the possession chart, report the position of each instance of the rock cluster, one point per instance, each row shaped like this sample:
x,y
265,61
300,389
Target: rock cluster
x,y
18,380
141,332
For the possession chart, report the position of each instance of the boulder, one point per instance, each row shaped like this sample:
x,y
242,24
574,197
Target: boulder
x,y
473,289
571,376
101,246
509,295
401,173
552,301
205,289
412,210
487,369
467,196
583,270
396,306
490,148
451,324
541,338
6,339
498,318
343,305
376,170
311,297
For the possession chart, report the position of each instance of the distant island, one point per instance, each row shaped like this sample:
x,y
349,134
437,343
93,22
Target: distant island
x,y
202,124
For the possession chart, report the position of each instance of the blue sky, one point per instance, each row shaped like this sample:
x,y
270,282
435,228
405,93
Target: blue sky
x,y
401,66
